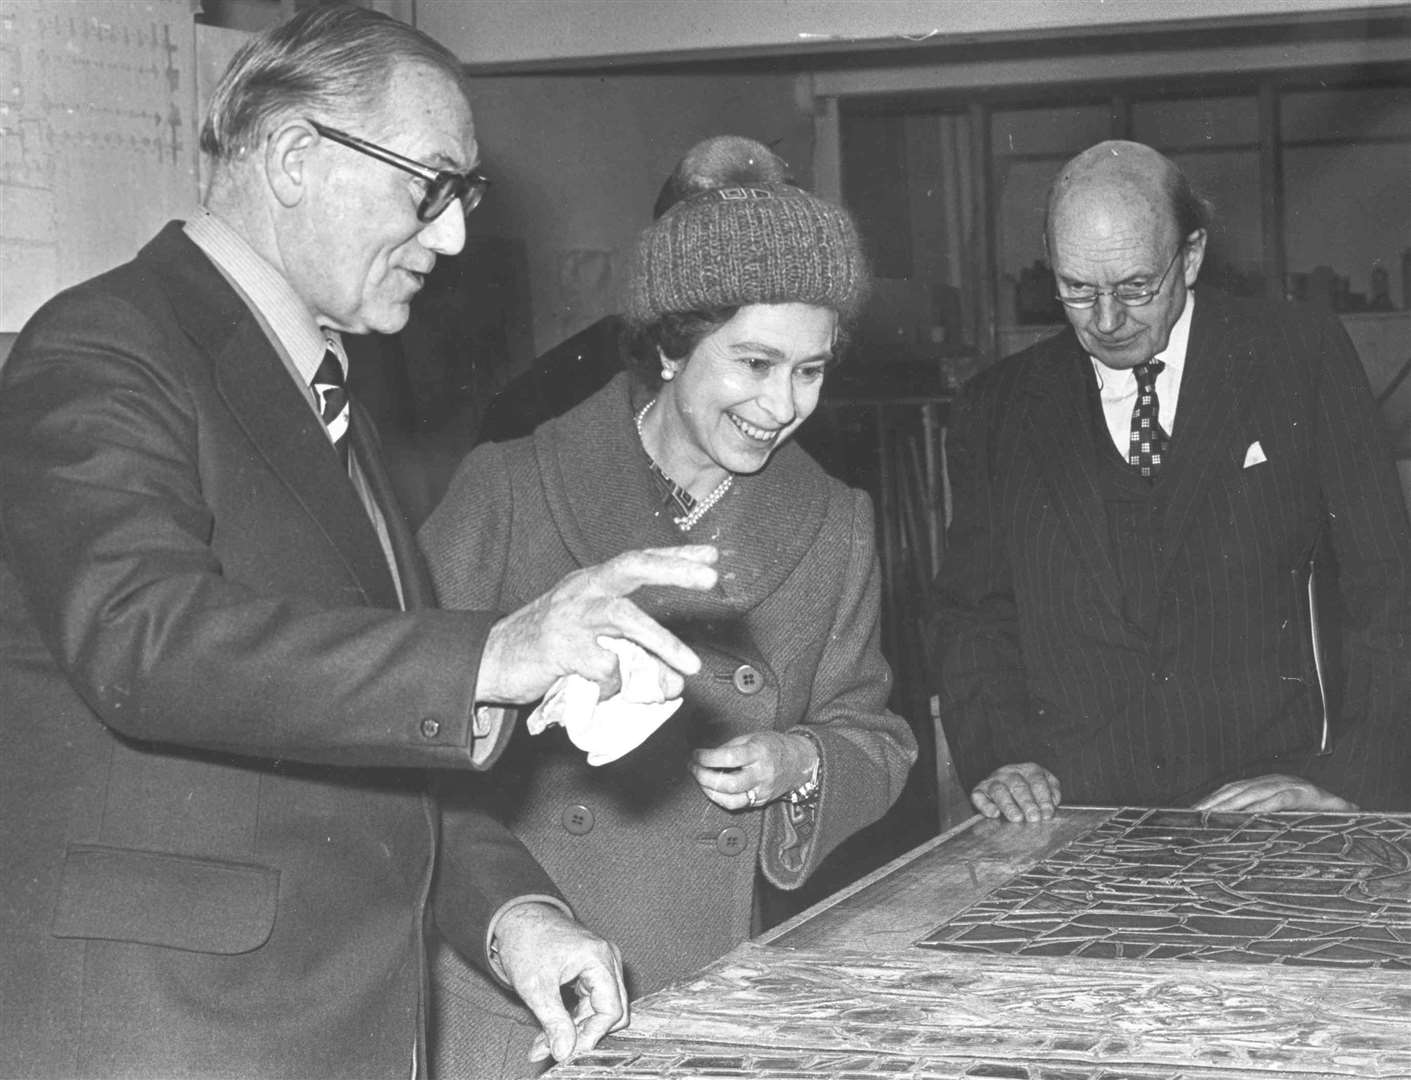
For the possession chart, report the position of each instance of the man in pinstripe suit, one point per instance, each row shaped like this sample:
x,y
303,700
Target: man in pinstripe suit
x,y
1111,637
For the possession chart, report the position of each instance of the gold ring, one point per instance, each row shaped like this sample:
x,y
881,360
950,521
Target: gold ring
x,y
750,797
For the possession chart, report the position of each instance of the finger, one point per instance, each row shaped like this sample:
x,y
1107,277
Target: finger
x,y
722,789
602,1003
690,567
670,682
629,621
707,554
1241,800
559,1034
1045,795
1224,798
1021,794
622,994
1279,800
601,667
984,804
1238,793
732,755
1003,798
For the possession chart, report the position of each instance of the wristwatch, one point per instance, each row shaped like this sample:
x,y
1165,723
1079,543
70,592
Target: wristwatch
x,y
806,794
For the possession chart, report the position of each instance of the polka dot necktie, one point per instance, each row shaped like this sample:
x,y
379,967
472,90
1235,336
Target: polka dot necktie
x,y
1148,444
331,390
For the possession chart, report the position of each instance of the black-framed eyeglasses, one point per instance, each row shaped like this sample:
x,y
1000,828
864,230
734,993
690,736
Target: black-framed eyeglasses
x,y
1129,295
442,186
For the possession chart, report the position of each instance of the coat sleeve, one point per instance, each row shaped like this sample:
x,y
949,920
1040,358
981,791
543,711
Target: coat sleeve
x,y
109,532
466,539
482,869
866,751
1371,541
978,666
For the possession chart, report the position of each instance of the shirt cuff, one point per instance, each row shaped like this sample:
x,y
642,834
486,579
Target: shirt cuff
x,y
486,722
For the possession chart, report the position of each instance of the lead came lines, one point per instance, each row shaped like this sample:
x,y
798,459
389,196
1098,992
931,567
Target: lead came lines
x,y
1292,889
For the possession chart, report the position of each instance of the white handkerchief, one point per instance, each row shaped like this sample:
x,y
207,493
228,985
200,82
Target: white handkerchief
x,y
1254,455
608,729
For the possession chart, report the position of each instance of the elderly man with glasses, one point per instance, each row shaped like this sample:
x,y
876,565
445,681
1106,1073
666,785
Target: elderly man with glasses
x,y
1125,613
223,685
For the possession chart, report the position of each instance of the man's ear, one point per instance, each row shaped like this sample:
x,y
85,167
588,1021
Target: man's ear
x,y
287,164
1195,255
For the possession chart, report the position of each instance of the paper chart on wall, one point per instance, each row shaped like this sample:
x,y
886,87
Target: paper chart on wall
x,y
97,138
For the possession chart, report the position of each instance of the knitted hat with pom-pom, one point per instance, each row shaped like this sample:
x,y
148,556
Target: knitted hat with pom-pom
x,y
744,236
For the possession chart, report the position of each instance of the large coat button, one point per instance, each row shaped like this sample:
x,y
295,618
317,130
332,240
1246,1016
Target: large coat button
x,y
747,679
730,840
577,820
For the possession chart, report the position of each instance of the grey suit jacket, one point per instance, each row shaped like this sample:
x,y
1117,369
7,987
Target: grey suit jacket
x,y
216,843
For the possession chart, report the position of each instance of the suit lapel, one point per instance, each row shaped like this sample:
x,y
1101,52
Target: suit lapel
x,y
1058,425
261,395
1219,377
417,589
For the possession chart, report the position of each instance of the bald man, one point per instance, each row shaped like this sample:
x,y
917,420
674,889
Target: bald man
x,y
1122,616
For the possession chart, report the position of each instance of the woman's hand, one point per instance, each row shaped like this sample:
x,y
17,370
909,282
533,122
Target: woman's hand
x,y
1018,793
751,770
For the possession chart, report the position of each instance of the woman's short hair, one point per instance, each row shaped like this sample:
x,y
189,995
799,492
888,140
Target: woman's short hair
x,y
676,334
334,61
673,335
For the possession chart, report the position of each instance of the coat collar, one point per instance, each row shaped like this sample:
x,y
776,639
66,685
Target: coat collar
x,y
261,394
601,497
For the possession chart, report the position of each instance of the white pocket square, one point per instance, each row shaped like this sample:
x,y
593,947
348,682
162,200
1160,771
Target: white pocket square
x,y
1254,455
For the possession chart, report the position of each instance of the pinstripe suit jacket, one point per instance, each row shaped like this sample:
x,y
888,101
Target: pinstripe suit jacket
x,y
1038,658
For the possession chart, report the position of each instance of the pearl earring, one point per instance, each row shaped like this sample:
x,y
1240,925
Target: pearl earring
x,y
667,373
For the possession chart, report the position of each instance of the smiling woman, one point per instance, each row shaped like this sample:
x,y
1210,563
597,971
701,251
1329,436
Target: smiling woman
x,y
784,746
739,394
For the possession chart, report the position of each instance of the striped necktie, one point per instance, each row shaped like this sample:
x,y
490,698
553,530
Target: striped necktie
x,y
1148,444
331,390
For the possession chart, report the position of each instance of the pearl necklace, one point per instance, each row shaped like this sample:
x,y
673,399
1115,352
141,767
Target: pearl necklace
x,y
688,520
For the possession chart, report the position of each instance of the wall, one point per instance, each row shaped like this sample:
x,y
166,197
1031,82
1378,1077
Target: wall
x,y
582,154
97,138
577,158
576,162
496,32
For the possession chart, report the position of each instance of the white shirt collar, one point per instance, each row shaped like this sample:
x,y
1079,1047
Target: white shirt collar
x,y
1118,387
268,292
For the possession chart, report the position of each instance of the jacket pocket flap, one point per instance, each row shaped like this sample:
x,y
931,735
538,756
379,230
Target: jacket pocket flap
x,y
158,898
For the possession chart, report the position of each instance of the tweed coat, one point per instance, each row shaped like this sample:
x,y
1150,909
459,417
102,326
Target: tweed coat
x,y
641,854
216,849
1044,657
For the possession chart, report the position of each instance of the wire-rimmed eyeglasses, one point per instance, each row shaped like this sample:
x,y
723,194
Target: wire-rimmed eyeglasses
x,y
442,186
1129,295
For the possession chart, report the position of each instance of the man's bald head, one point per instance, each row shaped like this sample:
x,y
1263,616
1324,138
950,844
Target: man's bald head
x,y
1125,236
1130,174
